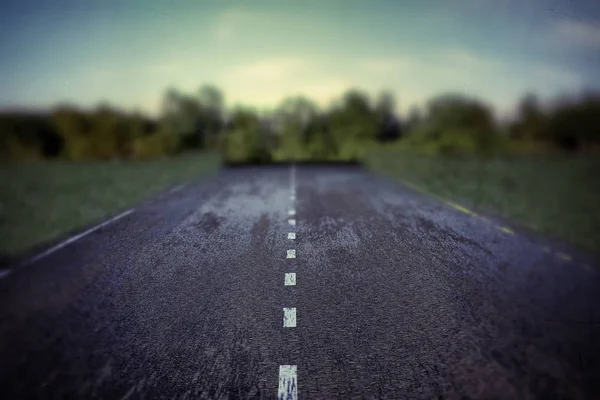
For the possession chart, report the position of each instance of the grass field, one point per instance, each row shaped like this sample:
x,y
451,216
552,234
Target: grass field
x,y
41,201
558,196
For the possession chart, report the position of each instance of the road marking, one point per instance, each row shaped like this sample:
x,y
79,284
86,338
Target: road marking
x,y
292,197
77,237
289,317
292,222
291,254
288,385
290,279
292,212
461,208
505,230
292,235
5,272
455,205
176,188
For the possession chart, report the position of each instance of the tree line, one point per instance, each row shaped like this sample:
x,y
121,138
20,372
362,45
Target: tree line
x,y
299,129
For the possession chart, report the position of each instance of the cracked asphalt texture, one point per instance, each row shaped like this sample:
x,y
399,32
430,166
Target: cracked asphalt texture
x,y
397,296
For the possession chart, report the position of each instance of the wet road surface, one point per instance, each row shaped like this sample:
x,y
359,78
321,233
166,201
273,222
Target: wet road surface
x,y
395,295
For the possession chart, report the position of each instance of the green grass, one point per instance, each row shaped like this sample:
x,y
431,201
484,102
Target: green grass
x,y
558,196
41,201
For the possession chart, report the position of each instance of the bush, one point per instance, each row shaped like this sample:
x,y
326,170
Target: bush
x,y
157,145
576,126
27,136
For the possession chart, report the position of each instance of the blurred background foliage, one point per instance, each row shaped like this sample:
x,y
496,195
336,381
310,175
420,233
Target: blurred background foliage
x,y
540,168
298,129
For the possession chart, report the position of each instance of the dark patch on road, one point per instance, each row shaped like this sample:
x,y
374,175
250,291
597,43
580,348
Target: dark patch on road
x,y
209,222
441,235
259,231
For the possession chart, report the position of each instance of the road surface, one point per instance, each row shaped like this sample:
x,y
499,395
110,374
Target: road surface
x,y
395,295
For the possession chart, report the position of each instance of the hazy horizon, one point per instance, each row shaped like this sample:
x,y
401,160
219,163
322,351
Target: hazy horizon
x,y
261,52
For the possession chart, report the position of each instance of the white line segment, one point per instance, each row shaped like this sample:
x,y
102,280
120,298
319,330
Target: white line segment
x,y
289,317
76,237
288,382
292,235
291,254
292,212
292,222
290,279
176,189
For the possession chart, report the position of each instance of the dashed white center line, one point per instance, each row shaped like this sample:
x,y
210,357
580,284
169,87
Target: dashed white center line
x,y
289,317
290,279
288,380
288,386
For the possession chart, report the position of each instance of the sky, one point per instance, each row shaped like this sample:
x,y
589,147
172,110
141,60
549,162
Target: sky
x,y
128,52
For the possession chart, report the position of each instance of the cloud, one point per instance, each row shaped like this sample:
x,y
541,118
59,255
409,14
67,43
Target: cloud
x,y
266,82
162,68
325,90
579,32
559,77
269,70
416,77
226,23
385,65
466,59
233,22
447,59
224,31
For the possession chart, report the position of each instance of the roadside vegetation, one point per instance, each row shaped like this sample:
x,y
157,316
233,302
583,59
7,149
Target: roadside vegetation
x,y
42,200
540,168
557,195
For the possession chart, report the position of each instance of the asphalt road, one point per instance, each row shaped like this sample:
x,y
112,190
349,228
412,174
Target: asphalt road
x,y
397,295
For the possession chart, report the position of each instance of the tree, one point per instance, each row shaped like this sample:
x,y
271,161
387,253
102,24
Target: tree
x,y
531,120
353,119
388,124
456,124
211,114
457,111
297,110
293,121
28,135
575,125
74,127
244,138
197,119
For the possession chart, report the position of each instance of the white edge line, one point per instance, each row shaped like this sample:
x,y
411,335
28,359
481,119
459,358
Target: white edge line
x,y
288,382
176,188
76,237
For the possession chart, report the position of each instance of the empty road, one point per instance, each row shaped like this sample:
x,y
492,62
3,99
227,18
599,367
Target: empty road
x,y
310,282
